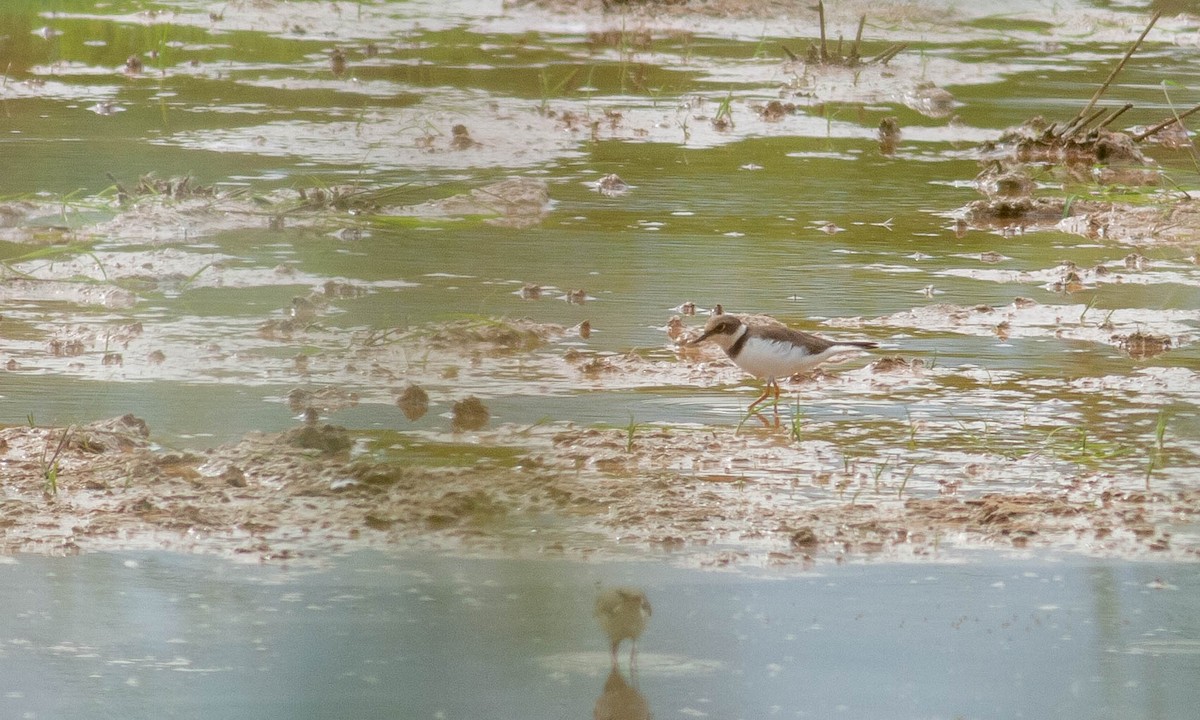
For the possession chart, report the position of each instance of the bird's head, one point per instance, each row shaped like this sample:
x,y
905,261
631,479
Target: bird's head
x,y
722,329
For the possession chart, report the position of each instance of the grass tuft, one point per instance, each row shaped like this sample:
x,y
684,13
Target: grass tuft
x,y
630,433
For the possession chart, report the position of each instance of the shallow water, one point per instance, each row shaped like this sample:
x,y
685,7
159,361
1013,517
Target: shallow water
x,y
429,636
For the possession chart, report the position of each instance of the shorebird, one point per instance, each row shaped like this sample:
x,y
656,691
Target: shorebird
x,y
769,350
622,612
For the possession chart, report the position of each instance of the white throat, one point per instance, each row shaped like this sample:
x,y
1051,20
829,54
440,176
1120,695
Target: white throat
x,y
728,341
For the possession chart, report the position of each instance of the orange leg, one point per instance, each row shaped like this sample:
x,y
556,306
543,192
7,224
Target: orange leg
x,y
772,386
765,394
771,389
775,404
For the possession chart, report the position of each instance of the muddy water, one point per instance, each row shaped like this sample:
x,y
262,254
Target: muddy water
x,y
384,636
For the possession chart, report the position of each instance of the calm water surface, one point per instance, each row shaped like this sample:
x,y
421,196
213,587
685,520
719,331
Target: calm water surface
x,y
427,636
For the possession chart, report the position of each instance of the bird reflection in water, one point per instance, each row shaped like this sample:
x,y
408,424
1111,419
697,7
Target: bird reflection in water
x,y
622,613
620,700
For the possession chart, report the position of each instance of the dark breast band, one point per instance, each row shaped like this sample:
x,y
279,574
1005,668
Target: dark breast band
x,y
738,344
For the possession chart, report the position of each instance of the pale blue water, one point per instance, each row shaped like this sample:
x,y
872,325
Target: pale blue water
x,y
430,636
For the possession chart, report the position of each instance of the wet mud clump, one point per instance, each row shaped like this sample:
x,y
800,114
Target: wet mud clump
x,y
1040,142
516,203
1140,345
612,185
1082,142
889,136
325,439
470,414
1037,148
413,402
1084,150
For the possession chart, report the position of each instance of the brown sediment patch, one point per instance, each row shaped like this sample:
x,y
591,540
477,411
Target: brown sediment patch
x,y
1068,277
76,293
1028,318
506,132
844,13
1023,213
497,335
1151,382
161,219
116,277
22,221
1173,220
1141,345
488,356
930,100
516,202
1176,222
692,490
1040,142
177,211
484,357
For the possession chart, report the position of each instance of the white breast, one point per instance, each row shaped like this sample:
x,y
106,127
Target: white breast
x,y
769,359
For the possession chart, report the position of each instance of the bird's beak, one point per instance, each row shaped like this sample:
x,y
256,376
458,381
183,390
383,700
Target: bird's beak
x,y
697,341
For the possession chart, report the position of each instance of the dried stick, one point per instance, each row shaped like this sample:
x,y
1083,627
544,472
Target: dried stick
x,y
824,48
1132,49
858,37
1077,124
1116,114
885,56
1164,124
